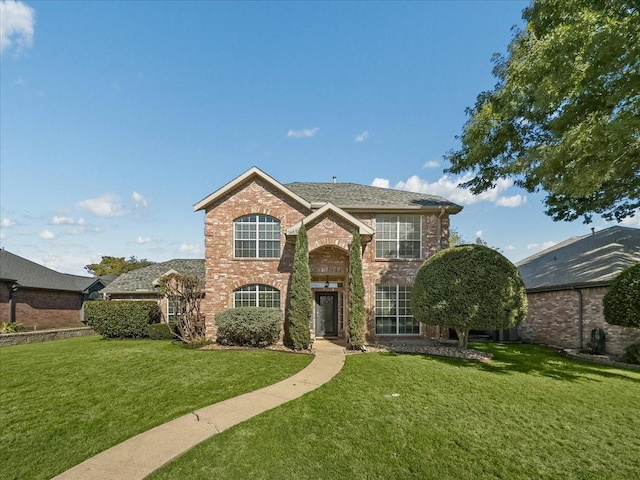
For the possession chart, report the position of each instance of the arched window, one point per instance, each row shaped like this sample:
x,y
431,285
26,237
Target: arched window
x,y
256,296
256,236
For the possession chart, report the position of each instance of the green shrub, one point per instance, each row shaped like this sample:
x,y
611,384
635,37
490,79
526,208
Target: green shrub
x,y
11,327
469,287
622,300
249,326
298,334
122,318
632,354
357,311
162,331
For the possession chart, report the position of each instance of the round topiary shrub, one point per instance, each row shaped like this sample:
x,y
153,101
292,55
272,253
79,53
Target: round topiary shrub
x,y
249,326
469,287
632,354
622,300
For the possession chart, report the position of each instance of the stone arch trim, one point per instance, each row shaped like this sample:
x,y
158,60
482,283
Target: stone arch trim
x,y
258,210
329,242
279,284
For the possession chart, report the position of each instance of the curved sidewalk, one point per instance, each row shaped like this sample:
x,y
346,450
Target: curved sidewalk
x,y
141,455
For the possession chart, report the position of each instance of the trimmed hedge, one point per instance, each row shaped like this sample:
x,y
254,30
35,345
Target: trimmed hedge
x,y
249,326
622,300
162,331
122,318
632,354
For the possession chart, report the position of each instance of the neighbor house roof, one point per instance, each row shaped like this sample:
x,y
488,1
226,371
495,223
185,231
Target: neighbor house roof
x,y
145,280
29,274
590,260
348,196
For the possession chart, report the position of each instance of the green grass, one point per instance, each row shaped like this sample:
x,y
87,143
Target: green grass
x,y
62,402
530,414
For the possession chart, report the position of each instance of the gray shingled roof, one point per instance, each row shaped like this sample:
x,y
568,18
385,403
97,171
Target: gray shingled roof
x,y
32,275
593,259
364,196
142,279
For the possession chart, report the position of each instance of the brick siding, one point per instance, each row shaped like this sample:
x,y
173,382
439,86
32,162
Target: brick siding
x,y
42,309
554,319
329,240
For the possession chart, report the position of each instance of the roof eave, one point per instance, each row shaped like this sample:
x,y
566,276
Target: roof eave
x,y
253,171
568,286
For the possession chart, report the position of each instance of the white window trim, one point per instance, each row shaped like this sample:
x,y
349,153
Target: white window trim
x,y
397,315
257,292
257,239
397,257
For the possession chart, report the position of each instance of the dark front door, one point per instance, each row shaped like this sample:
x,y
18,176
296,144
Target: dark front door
x,y
326,314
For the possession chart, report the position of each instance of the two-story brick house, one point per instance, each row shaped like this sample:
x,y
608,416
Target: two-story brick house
x,y
251,224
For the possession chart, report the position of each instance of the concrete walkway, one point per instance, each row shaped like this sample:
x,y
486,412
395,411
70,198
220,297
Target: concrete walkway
x,y
139,456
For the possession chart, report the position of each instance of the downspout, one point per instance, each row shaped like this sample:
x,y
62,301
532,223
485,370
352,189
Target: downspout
x,y
439,228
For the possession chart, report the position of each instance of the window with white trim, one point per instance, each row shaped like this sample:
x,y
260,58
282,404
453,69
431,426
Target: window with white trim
x,y
393,311
256,296
173,309
256,236
398,236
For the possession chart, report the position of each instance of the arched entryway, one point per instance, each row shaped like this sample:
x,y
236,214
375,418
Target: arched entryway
x,y
329,266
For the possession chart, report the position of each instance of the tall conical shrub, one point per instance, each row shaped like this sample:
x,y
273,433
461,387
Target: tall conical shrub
x,y
301,298
357,312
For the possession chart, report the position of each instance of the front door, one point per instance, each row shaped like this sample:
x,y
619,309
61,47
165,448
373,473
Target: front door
x,y
326,314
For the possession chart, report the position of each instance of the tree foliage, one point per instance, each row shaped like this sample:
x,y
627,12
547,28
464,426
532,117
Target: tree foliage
x,y
357,311
564,116
116,265
622,301
185,291
301,298
469,287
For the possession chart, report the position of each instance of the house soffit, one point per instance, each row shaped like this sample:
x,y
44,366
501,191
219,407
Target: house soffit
x,y
250,174
328,208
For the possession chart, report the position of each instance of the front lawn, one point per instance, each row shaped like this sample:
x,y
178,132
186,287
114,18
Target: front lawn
x,y
530,414
62,402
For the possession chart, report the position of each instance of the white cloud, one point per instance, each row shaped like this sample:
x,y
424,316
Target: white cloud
x,y
140,200
362,137
632,221
63,221
450,189
513,201
190,248
305,132
431,164
105,206
67,264
7,223
16,24
141,240
47,234
479,233
380,182
510,248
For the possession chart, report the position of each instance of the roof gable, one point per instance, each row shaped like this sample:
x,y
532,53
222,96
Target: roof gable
x,y
594,259
325,210
253,172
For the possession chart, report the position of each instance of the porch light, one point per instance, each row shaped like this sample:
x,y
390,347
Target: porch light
x,y
327,284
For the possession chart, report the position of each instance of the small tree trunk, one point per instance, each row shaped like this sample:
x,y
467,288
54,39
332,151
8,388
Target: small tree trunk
x,y
463,337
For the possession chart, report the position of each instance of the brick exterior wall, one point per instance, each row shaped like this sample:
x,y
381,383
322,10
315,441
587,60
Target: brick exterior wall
x,y
329,240
42,309
554,319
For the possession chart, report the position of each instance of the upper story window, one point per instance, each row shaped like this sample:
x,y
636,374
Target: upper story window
x,y
256,236
256,296
398,236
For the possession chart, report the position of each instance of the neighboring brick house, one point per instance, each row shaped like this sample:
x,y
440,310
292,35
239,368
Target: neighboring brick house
x,y
251,224
41,298
566,284
143,283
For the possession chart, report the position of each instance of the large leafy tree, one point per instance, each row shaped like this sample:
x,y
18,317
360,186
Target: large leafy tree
x,y
301,297
469,287
622,300
564,116
116,265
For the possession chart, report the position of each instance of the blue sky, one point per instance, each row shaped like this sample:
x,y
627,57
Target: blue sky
x,y
117,117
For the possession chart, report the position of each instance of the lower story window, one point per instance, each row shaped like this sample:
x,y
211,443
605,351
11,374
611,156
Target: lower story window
x,y
256,296
173,309
393,311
